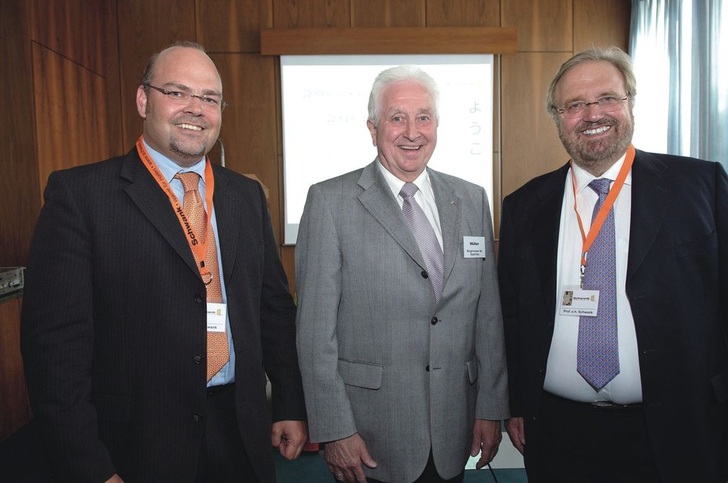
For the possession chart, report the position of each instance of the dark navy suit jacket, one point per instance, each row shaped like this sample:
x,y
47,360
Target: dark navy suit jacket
x,y
677,285
114,323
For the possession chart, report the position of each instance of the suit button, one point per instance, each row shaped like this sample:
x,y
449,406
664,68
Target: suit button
x,y
197,418
434,320
197,359
424,274
199,298
427,368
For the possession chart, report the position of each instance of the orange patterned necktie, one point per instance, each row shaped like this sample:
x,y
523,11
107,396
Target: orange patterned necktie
x,y
218,353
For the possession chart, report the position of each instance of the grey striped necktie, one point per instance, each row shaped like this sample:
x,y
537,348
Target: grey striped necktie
x,y
423,232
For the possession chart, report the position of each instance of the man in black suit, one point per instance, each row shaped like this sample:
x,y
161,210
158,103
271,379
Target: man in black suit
x,y
661,413
117,310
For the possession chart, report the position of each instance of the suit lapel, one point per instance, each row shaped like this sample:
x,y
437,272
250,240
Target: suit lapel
x,y
649,207
448,209
153,203
544,219
377,199
227,211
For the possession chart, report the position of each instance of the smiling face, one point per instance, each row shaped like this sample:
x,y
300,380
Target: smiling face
x,y
406,134
595,140
182,131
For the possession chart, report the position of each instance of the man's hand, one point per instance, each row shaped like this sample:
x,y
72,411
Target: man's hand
x,y
289,437
486,438
345,456
115,479
514,426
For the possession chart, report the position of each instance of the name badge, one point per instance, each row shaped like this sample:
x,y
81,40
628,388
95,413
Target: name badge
x,y
474,246
216,316
579,303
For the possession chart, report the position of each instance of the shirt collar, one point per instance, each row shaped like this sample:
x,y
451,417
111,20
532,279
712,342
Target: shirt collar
x,y
395,184
169,168
583,177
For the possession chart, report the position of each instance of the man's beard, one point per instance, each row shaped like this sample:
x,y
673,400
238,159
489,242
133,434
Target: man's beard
x,y
599,155
187,153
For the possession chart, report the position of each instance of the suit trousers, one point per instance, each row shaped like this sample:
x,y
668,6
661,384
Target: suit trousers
x,y
581,443
222,457
430,475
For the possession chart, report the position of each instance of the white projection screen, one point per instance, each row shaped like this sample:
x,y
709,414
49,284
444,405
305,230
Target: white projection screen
x,y
324,107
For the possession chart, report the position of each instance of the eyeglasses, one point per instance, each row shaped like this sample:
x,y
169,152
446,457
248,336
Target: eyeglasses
x,y
183,97
577,108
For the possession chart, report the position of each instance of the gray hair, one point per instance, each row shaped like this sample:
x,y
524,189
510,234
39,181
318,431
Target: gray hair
x,y
399,74
614,55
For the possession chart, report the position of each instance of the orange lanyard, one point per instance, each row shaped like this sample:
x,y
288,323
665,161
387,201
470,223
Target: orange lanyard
x,y
596,225
197,244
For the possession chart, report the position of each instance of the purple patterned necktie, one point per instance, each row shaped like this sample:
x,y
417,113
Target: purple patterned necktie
x,y
425,236
597,352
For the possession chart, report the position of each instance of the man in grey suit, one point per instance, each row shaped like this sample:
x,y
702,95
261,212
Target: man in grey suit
x,y
399,335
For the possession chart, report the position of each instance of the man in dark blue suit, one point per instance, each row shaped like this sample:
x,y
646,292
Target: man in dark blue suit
x,y
661,414
118,314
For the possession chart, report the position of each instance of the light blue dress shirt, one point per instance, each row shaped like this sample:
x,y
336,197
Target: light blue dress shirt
x,y
169,169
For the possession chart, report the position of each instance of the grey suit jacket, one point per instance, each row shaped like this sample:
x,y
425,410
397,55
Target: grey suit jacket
x,y
377,355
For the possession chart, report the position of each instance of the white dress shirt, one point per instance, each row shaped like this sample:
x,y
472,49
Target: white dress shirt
x,y
562,378
425,197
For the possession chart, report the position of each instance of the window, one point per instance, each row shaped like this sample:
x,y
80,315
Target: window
x,y
682,87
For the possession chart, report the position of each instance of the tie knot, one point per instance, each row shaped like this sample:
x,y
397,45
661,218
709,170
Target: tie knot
x,y
601,185
408,190
190,180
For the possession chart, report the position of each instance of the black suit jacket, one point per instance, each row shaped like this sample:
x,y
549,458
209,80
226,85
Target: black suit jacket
x,y
114,321
677,285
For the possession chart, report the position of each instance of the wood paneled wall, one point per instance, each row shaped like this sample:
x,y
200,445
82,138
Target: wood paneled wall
x,y
14,406
56,115
71,69
18,178
76,65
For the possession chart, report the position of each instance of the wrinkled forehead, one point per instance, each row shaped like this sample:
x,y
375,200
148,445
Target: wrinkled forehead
x,y
407,93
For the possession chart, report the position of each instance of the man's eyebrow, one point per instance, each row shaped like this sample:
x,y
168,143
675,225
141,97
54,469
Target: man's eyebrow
x,y
182,87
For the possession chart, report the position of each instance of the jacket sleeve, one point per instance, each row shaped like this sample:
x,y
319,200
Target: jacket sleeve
x,y
57,337
507,270
318,278
278,331
492,375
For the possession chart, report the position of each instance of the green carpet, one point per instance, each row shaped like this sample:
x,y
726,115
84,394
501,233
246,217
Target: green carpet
x,y
310,468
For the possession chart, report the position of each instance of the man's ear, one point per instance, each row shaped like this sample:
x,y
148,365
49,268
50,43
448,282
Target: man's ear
x,y
372,131
141,101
